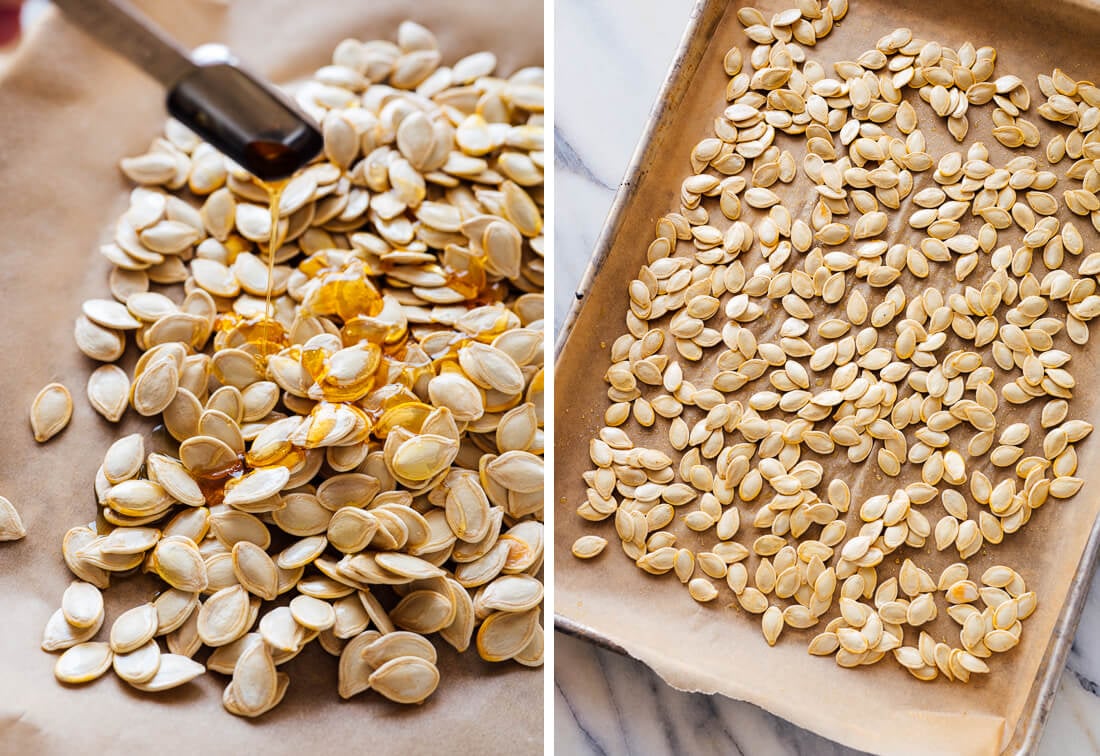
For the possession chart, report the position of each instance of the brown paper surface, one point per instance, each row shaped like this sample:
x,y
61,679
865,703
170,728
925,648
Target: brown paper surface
x,y
718,647
68,111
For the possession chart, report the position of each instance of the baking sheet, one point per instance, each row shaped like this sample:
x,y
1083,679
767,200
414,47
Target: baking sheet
x,y
716,647
68,112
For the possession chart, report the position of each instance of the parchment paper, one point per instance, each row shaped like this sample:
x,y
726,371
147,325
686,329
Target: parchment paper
x,y
68,111
718,647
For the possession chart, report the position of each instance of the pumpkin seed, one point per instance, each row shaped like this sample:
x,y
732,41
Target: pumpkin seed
x,y
59,634
50,412
134,628
173,671
312,613
224,617
82,605
11,524
406,679
140,665
83,663
588,546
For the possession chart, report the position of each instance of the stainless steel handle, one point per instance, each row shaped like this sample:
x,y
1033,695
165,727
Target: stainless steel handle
x,y
124,29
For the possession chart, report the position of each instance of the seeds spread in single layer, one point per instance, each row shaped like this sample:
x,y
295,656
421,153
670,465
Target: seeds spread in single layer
x,y
768,336
350,384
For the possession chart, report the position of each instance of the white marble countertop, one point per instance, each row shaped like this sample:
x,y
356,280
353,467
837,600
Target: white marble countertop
x,y
611,57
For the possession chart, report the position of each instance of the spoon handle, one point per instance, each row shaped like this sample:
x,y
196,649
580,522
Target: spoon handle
x,y
124,29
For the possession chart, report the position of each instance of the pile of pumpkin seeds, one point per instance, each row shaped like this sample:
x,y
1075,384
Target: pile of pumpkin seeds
x,y
856,357
361,464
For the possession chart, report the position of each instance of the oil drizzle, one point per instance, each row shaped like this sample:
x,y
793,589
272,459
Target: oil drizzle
x,y
274,191
212,484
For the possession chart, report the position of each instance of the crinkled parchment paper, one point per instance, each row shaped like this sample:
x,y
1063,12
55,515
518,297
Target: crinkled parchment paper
x,y
718,647
68,111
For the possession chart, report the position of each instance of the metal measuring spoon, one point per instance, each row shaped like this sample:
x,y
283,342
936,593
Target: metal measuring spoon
x,y
245,118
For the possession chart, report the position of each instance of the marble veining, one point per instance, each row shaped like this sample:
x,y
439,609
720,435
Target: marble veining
x,y
612,56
